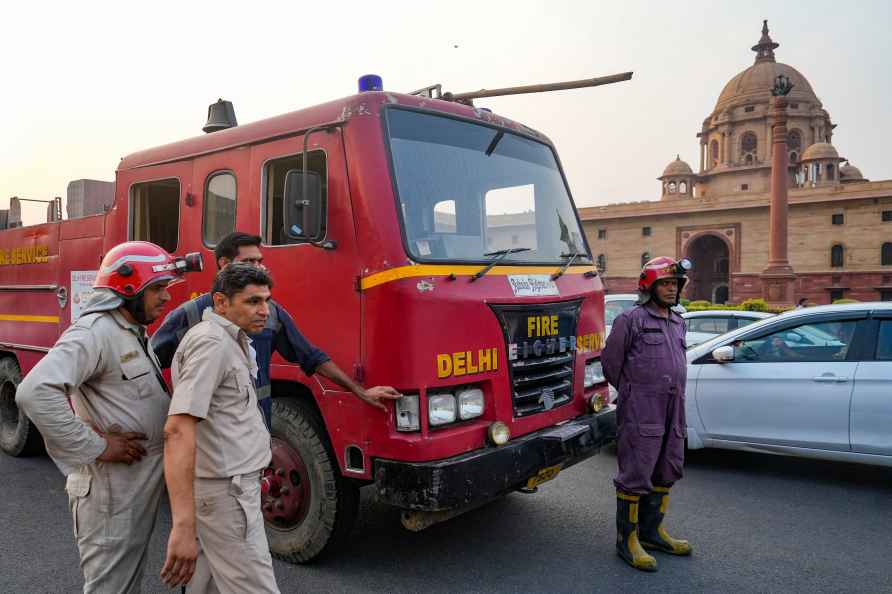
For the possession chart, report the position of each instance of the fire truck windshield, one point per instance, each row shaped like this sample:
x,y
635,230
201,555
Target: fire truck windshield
x,y
467,190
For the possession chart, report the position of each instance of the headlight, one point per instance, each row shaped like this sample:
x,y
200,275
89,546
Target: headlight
x,y
440,409
470,403
407,417
499,434
594,373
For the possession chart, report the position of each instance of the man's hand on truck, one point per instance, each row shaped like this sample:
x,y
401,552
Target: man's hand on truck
x,y
374,395
123,446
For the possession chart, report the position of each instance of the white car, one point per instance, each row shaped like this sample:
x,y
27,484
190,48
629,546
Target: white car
x,y
707,324
815,383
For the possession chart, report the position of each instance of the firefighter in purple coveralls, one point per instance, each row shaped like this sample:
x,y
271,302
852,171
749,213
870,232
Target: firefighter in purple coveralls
x,y
644,359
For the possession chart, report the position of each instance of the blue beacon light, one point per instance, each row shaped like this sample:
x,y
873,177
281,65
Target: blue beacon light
x,y
370,82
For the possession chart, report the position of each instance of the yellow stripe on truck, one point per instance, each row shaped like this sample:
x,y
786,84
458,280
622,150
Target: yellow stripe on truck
x,y
37,319
414,271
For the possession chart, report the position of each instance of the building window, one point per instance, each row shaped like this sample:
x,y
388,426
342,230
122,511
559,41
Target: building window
x,y
748,144
602,233
714,152
744,187
601,263
836,256
887,216
219,208
682,188
645,231
645,258
830,172
155,213
794,106
838,219
836,294
886,254
885,295
749,109
673,188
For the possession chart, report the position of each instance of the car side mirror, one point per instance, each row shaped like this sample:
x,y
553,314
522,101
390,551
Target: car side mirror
x,y
302,205
723,354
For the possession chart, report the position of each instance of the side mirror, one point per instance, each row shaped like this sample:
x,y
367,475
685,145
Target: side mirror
x,y
302,205
723,354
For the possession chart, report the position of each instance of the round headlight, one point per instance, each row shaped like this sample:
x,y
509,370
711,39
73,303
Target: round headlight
x,y
499,433
596,402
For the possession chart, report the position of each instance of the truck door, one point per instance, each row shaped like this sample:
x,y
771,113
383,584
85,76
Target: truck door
x,y
161,208
317,285
223,204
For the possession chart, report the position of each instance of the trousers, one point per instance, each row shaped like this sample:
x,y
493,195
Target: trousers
x,y
650,438
114,508
233,553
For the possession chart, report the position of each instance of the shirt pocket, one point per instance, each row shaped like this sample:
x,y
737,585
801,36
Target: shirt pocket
x,y
138,378
245,386
653,344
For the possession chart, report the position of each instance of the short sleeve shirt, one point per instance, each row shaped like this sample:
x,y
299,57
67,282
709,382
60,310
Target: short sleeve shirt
x,y
213,375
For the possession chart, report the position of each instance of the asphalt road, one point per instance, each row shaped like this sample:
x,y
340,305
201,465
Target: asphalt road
x,y
758,524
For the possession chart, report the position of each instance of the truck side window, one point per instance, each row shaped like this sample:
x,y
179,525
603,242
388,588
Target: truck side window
x,y
155,212
274,184
219,207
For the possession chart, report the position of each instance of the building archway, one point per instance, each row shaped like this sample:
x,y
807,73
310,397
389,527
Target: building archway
x,y
710,277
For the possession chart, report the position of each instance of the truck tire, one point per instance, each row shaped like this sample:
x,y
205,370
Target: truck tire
x,y
309,508
18,436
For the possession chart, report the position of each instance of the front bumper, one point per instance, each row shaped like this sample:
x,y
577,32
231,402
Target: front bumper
x,y
478,476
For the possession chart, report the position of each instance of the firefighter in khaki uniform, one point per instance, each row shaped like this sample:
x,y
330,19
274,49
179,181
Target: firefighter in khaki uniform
x,y
644,359
109,446
216,444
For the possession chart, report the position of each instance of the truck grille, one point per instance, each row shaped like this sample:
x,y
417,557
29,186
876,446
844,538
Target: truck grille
x,y
540,367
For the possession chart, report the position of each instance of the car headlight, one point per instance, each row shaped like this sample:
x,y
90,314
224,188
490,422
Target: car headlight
x,y
440,409
470,403
407,417
594,373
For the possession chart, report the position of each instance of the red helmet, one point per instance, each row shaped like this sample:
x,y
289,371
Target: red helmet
x,y
129,268
663,267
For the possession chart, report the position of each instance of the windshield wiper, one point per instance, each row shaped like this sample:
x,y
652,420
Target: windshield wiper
x,y
499,256
567,264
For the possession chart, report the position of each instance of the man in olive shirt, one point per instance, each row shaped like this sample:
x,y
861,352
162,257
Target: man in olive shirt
x,y
216,444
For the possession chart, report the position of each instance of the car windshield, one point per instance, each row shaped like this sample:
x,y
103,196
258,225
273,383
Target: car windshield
x,y
468,190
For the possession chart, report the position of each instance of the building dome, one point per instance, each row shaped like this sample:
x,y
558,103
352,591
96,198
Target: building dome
x,y
754,84
820,150
677,167
850,173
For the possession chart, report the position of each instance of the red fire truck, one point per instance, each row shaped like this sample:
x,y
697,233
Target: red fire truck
x,y
421,242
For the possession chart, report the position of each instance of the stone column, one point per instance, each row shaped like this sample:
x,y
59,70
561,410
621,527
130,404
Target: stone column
x,y
778,279
702,153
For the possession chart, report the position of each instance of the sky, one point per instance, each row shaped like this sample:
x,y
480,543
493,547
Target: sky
x,y
86,83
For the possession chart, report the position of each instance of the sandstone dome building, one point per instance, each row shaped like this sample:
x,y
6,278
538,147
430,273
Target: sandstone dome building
x,y
840,224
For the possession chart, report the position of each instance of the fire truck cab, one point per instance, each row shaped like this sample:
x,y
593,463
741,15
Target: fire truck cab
x,y
421,243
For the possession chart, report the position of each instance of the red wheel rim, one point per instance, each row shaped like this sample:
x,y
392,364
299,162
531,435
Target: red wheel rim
x,y
285,487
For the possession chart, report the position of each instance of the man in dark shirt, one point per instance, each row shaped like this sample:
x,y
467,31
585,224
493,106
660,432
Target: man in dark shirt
x,y
280,334
644,359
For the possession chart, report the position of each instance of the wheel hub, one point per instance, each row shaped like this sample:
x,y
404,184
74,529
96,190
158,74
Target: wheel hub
x,y
285,487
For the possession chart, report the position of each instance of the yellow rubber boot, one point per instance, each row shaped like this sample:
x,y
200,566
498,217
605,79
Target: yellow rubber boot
x,y
651,532
627,545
